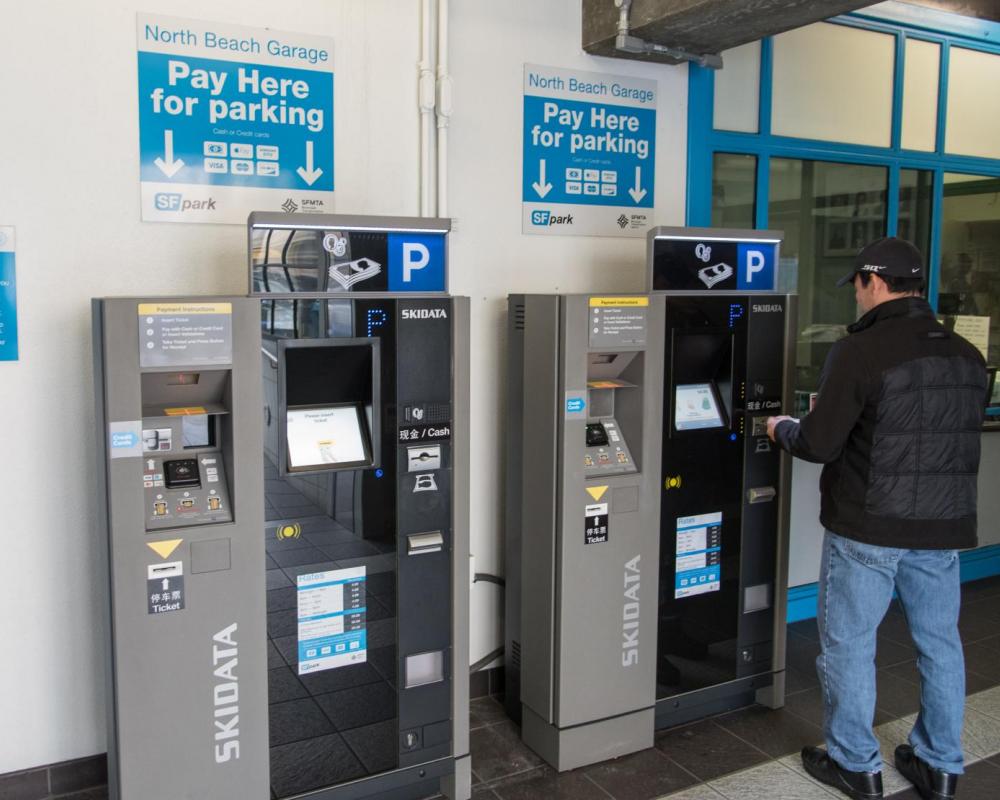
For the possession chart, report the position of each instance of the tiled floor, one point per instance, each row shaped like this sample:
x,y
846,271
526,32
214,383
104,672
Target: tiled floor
x,y
753,753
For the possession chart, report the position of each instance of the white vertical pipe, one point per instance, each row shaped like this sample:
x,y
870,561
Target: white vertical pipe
x,y
444,107
425,100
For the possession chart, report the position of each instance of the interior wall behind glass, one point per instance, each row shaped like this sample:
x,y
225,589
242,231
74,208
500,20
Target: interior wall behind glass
x,y
834,83
737,90
973,127
921,68
970,253
916,196
828,212
734,187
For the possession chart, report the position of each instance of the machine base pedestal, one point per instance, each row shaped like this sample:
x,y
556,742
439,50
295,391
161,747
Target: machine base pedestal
x,y
569,748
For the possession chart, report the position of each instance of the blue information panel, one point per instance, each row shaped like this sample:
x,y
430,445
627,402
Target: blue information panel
x,y
698,565
332,629
8,296
232,120
589,153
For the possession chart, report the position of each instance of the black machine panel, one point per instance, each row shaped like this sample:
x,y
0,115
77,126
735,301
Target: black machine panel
x,y
334,723
723,377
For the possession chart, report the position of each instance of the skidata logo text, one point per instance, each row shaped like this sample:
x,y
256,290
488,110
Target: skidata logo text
x,y
543,218
174,201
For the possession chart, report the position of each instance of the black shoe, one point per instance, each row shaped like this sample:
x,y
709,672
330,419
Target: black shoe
x,y
857,785
932,784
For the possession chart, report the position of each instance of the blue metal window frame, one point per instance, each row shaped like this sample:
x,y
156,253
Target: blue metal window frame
x,y
901,20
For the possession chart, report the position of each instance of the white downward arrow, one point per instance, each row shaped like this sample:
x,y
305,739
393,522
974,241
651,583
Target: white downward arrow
x,y
307,173
638,192
167,164
540,186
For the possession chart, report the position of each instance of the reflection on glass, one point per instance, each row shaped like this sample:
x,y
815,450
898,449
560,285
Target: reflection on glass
x,y
828,212
734,188
916,195
970,253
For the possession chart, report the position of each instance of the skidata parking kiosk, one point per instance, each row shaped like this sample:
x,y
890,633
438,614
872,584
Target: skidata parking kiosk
x,y
366,450
725,496
289,590
582,511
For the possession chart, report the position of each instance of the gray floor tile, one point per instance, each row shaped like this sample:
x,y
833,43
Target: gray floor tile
x,y
986,702
498,752
282,623
769,781
298,556
775,731
981,734
485,711
546,782
796,681
700,792
94,793
981,781
276,579
645,775
336,680
708,751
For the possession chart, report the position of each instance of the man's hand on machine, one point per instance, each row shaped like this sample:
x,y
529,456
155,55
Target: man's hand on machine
x,y
772,423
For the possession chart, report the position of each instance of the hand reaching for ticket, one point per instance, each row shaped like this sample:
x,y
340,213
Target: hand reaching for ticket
x,y
772,423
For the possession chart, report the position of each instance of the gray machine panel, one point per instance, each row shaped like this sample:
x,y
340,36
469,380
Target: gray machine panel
x,y
581,599
192,669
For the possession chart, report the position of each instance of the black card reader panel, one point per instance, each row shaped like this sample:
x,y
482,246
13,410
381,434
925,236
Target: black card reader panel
x,y
182,473
597,436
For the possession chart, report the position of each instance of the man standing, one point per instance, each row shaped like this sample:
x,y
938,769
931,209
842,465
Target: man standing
x,y
896,423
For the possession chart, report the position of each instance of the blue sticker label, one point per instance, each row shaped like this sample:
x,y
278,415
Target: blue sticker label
x,y
416,262
124,440
8,308
755,267
575,405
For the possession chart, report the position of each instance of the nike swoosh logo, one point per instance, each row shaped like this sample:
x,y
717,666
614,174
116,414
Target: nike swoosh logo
x,y
915,270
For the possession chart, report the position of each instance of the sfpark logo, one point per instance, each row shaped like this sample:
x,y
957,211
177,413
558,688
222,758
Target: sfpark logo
x,y
547,218
174,201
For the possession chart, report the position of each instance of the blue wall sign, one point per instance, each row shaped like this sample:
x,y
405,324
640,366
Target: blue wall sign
x,y
232,120
8,296
589,153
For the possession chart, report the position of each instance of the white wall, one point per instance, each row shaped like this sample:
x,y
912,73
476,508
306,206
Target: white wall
x,y
69,178
489,256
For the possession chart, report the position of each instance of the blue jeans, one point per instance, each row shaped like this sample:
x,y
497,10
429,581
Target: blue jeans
x,y
855,588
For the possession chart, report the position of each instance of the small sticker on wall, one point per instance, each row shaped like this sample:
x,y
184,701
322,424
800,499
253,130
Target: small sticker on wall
x,y
596,523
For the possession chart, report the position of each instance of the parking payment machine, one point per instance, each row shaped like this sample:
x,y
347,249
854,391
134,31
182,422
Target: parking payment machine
x,y
178,399
724,486
286,485
583,467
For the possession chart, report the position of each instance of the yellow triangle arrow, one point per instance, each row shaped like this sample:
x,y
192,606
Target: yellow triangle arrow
x,y
597,492
165,548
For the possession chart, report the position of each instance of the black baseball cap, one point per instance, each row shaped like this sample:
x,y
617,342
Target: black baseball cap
x,y
889,256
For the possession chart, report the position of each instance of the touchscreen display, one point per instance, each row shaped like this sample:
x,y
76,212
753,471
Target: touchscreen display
x,y
698,565
323,436
695,407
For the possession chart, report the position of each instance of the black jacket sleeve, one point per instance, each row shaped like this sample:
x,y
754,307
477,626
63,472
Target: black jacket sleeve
x,y
822,433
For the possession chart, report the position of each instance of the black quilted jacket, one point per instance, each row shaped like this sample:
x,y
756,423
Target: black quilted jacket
x,y
897,424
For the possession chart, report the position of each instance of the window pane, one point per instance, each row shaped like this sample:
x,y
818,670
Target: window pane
x,y
973,127
916,194
970,252
920,95
828,212
834,83
737,90
734,187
